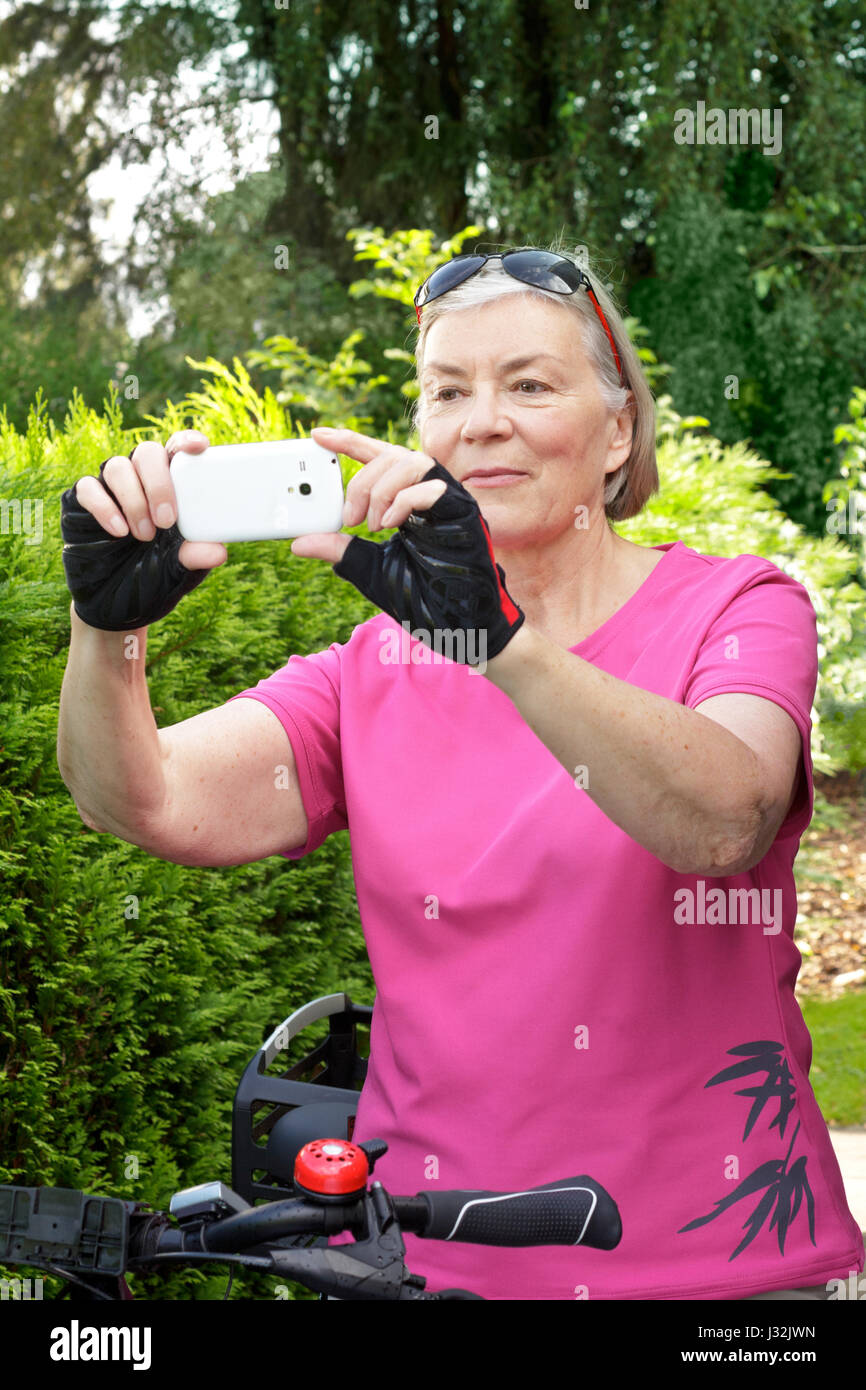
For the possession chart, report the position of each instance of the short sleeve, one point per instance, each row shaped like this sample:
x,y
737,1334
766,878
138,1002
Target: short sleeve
x,y
305,696
765,642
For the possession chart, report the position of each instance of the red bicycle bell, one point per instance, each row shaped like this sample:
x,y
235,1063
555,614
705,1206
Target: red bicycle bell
x,y
331,1168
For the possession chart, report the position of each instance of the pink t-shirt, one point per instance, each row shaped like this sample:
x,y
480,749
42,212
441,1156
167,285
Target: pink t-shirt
x,y
552,1000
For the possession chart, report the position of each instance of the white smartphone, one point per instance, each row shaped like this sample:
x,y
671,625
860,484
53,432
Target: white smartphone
x,y
257,492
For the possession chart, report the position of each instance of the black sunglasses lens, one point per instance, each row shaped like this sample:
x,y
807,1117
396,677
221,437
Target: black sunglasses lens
x,y
545,269
447,276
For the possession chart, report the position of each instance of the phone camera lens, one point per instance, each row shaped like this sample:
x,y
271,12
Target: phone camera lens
x,y
305,489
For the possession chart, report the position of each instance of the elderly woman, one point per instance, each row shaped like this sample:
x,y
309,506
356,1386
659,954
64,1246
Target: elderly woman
x,y
575,771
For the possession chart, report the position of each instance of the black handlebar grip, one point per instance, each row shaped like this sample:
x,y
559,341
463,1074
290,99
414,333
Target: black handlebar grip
x,y
571,1211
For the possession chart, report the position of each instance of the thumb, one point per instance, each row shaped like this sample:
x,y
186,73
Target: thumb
x,y
321,546
202,555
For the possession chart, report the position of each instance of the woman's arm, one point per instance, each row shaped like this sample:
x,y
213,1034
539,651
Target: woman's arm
x,y
679,783
204,791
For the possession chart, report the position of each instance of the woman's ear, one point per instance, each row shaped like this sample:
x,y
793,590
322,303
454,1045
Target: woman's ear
x,y
621,439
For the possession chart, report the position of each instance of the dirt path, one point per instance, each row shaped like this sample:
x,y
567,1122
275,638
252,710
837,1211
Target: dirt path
x,y
830,871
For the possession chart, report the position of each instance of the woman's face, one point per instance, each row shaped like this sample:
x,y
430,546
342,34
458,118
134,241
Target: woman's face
x,y
507,384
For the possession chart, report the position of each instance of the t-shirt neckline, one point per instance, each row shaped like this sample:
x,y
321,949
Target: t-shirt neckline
x,y
592,645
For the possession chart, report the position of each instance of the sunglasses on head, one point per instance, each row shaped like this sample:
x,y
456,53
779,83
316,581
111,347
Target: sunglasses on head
x,y
543,269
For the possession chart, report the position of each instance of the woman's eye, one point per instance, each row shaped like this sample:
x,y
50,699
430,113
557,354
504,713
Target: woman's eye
x,y
441,393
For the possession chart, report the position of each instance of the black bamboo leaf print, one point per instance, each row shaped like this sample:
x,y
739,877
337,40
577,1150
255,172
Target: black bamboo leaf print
x,y
756,1221
767,1057
767,1173
800,1186
782,1215
782,1187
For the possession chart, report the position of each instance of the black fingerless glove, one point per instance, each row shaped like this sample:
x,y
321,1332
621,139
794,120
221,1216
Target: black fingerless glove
x,y
438,572
118,582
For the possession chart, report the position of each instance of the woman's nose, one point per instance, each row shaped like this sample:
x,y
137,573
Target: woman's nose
x,y
486,413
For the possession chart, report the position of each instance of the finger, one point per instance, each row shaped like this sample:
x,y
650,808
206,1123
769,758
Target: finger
x,y
374,487
388,485
122,477
359,487
352,443
202,555
328,546
152,465
412,499
94,498
191,441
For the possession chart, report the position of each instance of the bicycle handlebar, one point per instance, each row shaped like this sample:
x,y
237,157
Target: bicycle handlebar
x,y
80,1236
570,1211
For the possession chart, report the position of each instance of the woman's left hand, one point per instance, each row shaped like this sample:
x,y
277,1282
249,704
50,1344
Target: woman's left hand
x,y
390,478
438,573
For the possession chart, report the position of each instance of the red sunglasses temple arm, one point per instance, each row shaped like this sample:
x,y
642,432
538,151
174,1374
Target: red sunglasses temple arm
x,y
604,325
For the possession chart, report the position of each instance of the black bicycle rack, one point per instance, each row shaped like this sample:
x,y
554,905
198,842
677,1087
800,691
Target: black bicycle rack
x,y
324,1085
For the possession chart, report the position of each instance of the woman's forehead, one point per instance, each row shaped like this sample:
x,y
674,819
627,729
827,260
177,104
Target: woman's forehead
x,y
525,329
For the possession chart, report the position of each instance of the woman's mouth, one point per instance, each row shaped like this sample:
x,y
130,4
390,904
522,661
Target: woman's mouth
x,y
493,479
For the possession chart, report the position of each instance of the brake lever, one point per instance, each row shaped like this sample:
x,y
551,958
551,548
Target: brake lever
x,y
344,1276
372,1267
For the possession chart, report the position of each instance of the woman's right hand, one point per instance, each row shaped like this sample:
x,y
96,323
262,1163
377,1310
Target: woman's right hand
x,y
126,563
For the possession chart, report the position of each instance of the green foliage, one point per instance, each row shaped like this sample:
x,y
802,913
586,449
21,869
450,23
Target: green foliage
x,y
226,278
66,72
751,346
55,349
526,119
318,389
409,255
845,496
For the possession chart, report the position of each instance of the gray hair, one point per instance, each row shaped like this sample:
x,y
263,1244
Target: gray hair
x,y
629,488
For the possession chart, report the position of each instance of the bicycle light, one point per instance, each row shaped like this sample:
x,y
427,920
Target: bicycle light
x,y
211,1199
